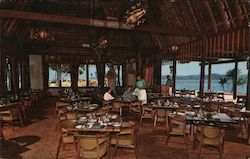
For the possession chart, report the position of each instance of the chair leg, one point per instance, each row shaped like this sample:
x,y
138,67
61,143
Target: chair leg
x,y
12,125
168,136
199,153
186,141
155,120
20,119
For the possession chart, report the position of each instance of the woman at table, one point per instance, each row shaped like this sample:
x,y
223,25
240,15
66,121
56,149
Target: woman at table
x,y
128,94
107,96
140,86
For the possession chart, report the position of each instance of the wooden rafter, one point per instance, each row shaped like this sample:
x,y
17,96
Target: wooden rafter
x,y
211,15
91,22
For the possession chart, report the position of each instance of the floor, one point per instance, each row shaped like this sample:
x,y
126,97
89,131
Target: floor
x,y
39,140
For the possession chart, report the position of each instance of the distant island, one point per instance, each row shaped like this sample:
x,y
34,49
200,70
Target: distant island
x,y
197,77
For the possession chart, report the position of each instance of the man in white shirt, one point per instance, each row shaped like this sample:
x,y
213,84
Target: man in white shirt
x,y
107,96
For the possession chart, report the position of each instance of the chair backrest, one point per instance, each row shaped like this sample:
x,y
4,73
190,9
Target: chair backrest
x,y
71,116
179,120
93,146
211,135
214,107
161,113
117,105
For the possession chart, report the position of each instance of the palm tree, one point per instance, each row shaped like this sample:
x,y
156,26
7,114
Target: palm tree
x,y
223,81
230,76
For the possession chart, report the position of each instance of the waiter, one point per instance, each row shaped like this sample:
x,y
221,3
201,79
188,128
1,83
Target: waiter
x,y
141,85
169,85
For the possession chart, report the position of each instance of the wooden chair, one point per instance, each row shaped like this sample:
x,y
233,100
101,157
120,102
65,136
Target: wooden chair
x,y
160,115
12,115
146,113
135,106
208,135
67,137
117,107
177,127
220,95
238,116
125,138
93,146
60,104
214,107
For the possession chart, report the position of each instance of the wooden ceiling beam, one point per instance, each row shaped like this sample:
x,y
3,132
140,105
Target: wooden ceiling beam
x,y
92,22
211,15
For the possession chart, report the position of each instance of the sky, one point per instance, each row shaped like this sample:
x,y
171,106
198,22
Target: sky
x,y
193,68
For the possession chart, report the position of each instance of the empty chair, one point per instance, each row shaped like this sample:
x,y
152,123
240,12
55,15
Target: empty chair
x,y
177,127
60,104
126,137
117,107
220,95
213,107
146,113
160,115
67,137
135,106
208,135
11,115
93,146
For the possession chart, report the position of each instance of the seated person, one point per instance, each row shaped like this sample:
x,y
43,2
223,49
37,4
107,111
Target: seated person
x,y
128,94
107,96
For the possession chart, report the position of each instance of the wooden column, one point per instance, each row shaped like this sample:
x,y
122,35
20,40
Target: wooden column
x,y
26,73
74,75
14,76
45,73
157,74
202,72
174,75
2,75
139,63
209,75
235,79
248,86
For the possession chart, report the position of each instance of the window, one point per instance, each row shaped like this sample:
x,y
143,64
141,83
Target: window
x,y
65,75
242,78
54,75
82,76
8,74
222,75
118,71
118,74
188,76
19,70
59,74
92,76
166,69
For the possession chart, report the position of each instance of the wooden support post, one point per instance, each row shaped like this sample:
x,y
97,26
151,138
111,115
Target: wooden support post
x,y
248,86
209,75
14,76
235,79
139,63
202,72
2,75
174,75
45,73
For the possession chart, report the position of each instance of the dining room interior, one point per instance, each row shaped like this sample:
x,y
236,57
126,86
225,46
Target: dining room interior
x,y
125,79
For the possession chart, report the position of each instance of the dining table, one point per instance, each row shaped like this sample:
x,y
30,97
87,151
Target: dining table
x,y
92,123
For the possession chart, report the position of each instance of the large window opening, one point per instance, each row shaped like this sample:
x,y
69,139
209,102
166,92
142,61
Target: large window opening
x,y
19,70
92,76
8,74
166,69
82,76
242,78
117,73
59,75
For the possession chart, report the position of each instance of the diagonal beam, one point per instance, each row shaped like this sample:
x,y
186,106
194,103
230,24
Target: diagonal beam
x,y
92,22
